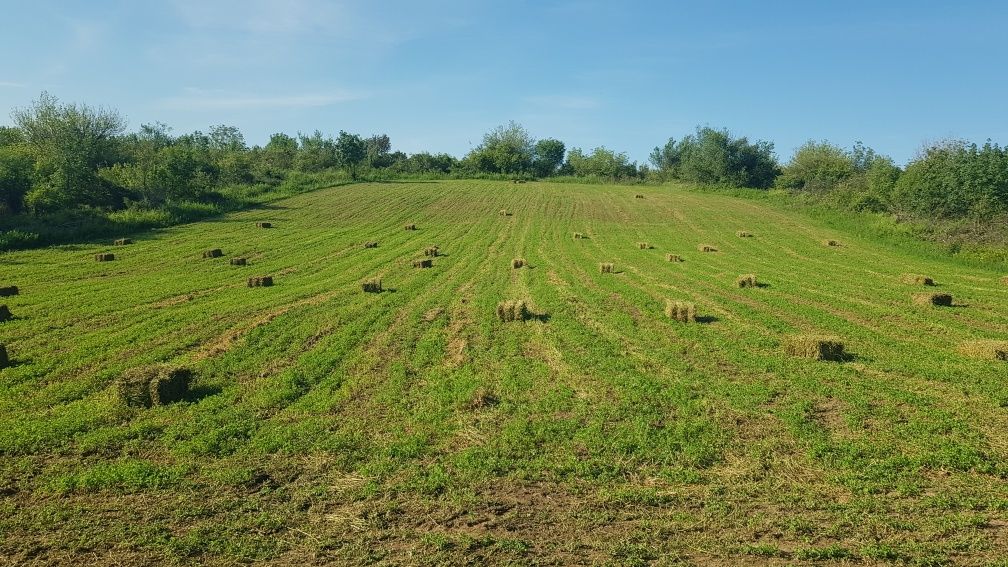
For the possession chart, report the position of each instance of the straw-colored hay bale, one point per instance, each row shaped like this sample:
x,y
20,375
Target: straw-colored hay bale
x,y
9,291
264,225
215,253
673,258
123,241
936,299
4,360
423,263
260,281
372,286
371,244
5,314
916,279
744,234
153,386
517,263
829,242
706,248
514,310
638,196
606,268
682,311
505,213
644,246
815,347
410,227
104,257
579,236
239,262
432,251
747,280
993,350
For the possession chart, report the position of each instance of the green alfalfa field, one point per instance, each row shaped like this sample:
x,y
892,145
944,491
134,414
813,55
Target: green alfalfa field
x,y
325,425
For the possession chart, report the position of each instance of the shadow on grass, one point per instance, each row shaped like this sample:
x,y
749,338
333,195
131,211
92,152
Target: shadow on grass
x,y
199,392
706,319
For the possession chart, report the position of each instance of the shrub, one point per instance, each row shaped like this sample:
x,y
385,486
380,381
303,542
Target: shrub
x,y
706,248
673,258
516,310
936,299
17,239
372,286
682,311
606,268
123,241
423,263
815,347
104,257
747,280
994,350
916,279
517,263
153,386
260,281
744,234
215,253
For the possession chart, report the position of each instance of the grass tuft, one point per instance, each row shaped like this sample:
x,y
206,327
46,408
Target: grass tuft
x,y
936,299
682,311
815,347
483,398
993,350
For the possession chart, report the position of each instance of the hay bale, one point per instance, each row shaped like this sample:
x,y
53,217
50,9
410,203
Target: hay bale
x,y
815,347
423,263
5,314
831,243
264,225
606,268
515,310
505,213
674,258
432,251
9,291
916,279
215,253
123,241
517,263
410,227
936,299
153,386
371,245
706,248
260,281
372,286
239,262
638,196
744,234
4,360
644,246
992,350
579,236
747,280
682,311
104,257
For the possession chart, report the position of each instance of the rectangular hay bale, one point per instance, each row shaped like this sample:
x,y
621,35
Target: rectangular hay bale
x,y
371,244
829,242
5,314
644,246
423,263
673,258
373,285
260,281
410,227
156,385
578,236
747,280
214,253
264,225
239,262
744,234
123,241
682,311
104,257
706,248
514,310
916,279
517,263
606,268
815,347
432,251
936,299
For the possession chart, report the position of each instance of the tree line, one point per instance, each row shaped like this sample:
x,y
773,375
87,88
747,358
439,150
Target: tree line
x,y
59,157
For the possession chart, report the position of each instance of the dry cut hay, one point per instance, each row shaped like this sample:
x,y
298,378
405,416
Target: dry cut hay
x,y
815,347
706,248
644,246
517,263
123,241
829,242
579,236
371,244
747,280
239,262
104,257
744,234
606,268
264,225
513,310
674,258
372,286
410,227
505,213
215,253
682,311
432,251
916,279
260,281
638,196
937,299
5,314
9,291
153,385
4,360
993,350
423,263
1004,280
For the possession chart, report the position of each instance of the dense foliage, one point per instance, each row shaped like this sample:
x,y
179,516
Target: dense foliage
x,y
716,157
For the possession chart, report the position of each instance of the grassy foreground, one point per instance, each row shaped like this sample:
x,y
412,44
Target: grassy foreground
x,y
412,427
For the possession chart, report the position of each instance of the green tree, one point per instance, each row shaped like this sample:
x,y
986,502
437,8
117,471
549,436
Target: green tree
x,y
350,152
548,156
665,159
716,157
377,150
506,149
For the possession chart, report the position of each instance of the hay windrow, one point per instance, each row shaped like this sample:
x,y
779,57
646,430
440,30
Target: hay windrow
x,y
423,263
104,257
373,285
260,281
936,299
991,350
682,311
214,253
674,258
606,268
706,248
517,263
815,347
513,310
123,241
746,281
153,386
9,291
916,279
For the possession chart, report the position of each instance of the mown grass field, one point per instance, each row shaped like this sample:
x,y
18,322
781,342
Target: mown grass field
x,y
331,426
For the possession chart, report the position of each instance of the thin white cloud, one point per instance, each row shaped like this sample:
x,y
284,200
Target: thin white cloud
x,y
12,84
202,100
564,102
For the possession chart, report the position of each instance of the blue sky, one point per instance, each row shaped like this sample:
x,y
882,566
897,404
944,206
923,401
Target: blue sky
x,y
437,75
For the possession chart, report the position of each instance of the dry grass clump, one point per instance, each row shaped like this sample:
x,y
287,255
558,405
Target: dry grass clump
x,y
829,242
432,251
674,258
744,234
682,311
5,314
638,196
410,227
644,246
104,257
123,241
372,286
264,225
606,268
815,347
937,299
579,236
1004,280
993,350
4,360
239,262
515,310
747,280
215,253
260,281
8,291
153,386
706,248
518,263
371,244
916,279
423,263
